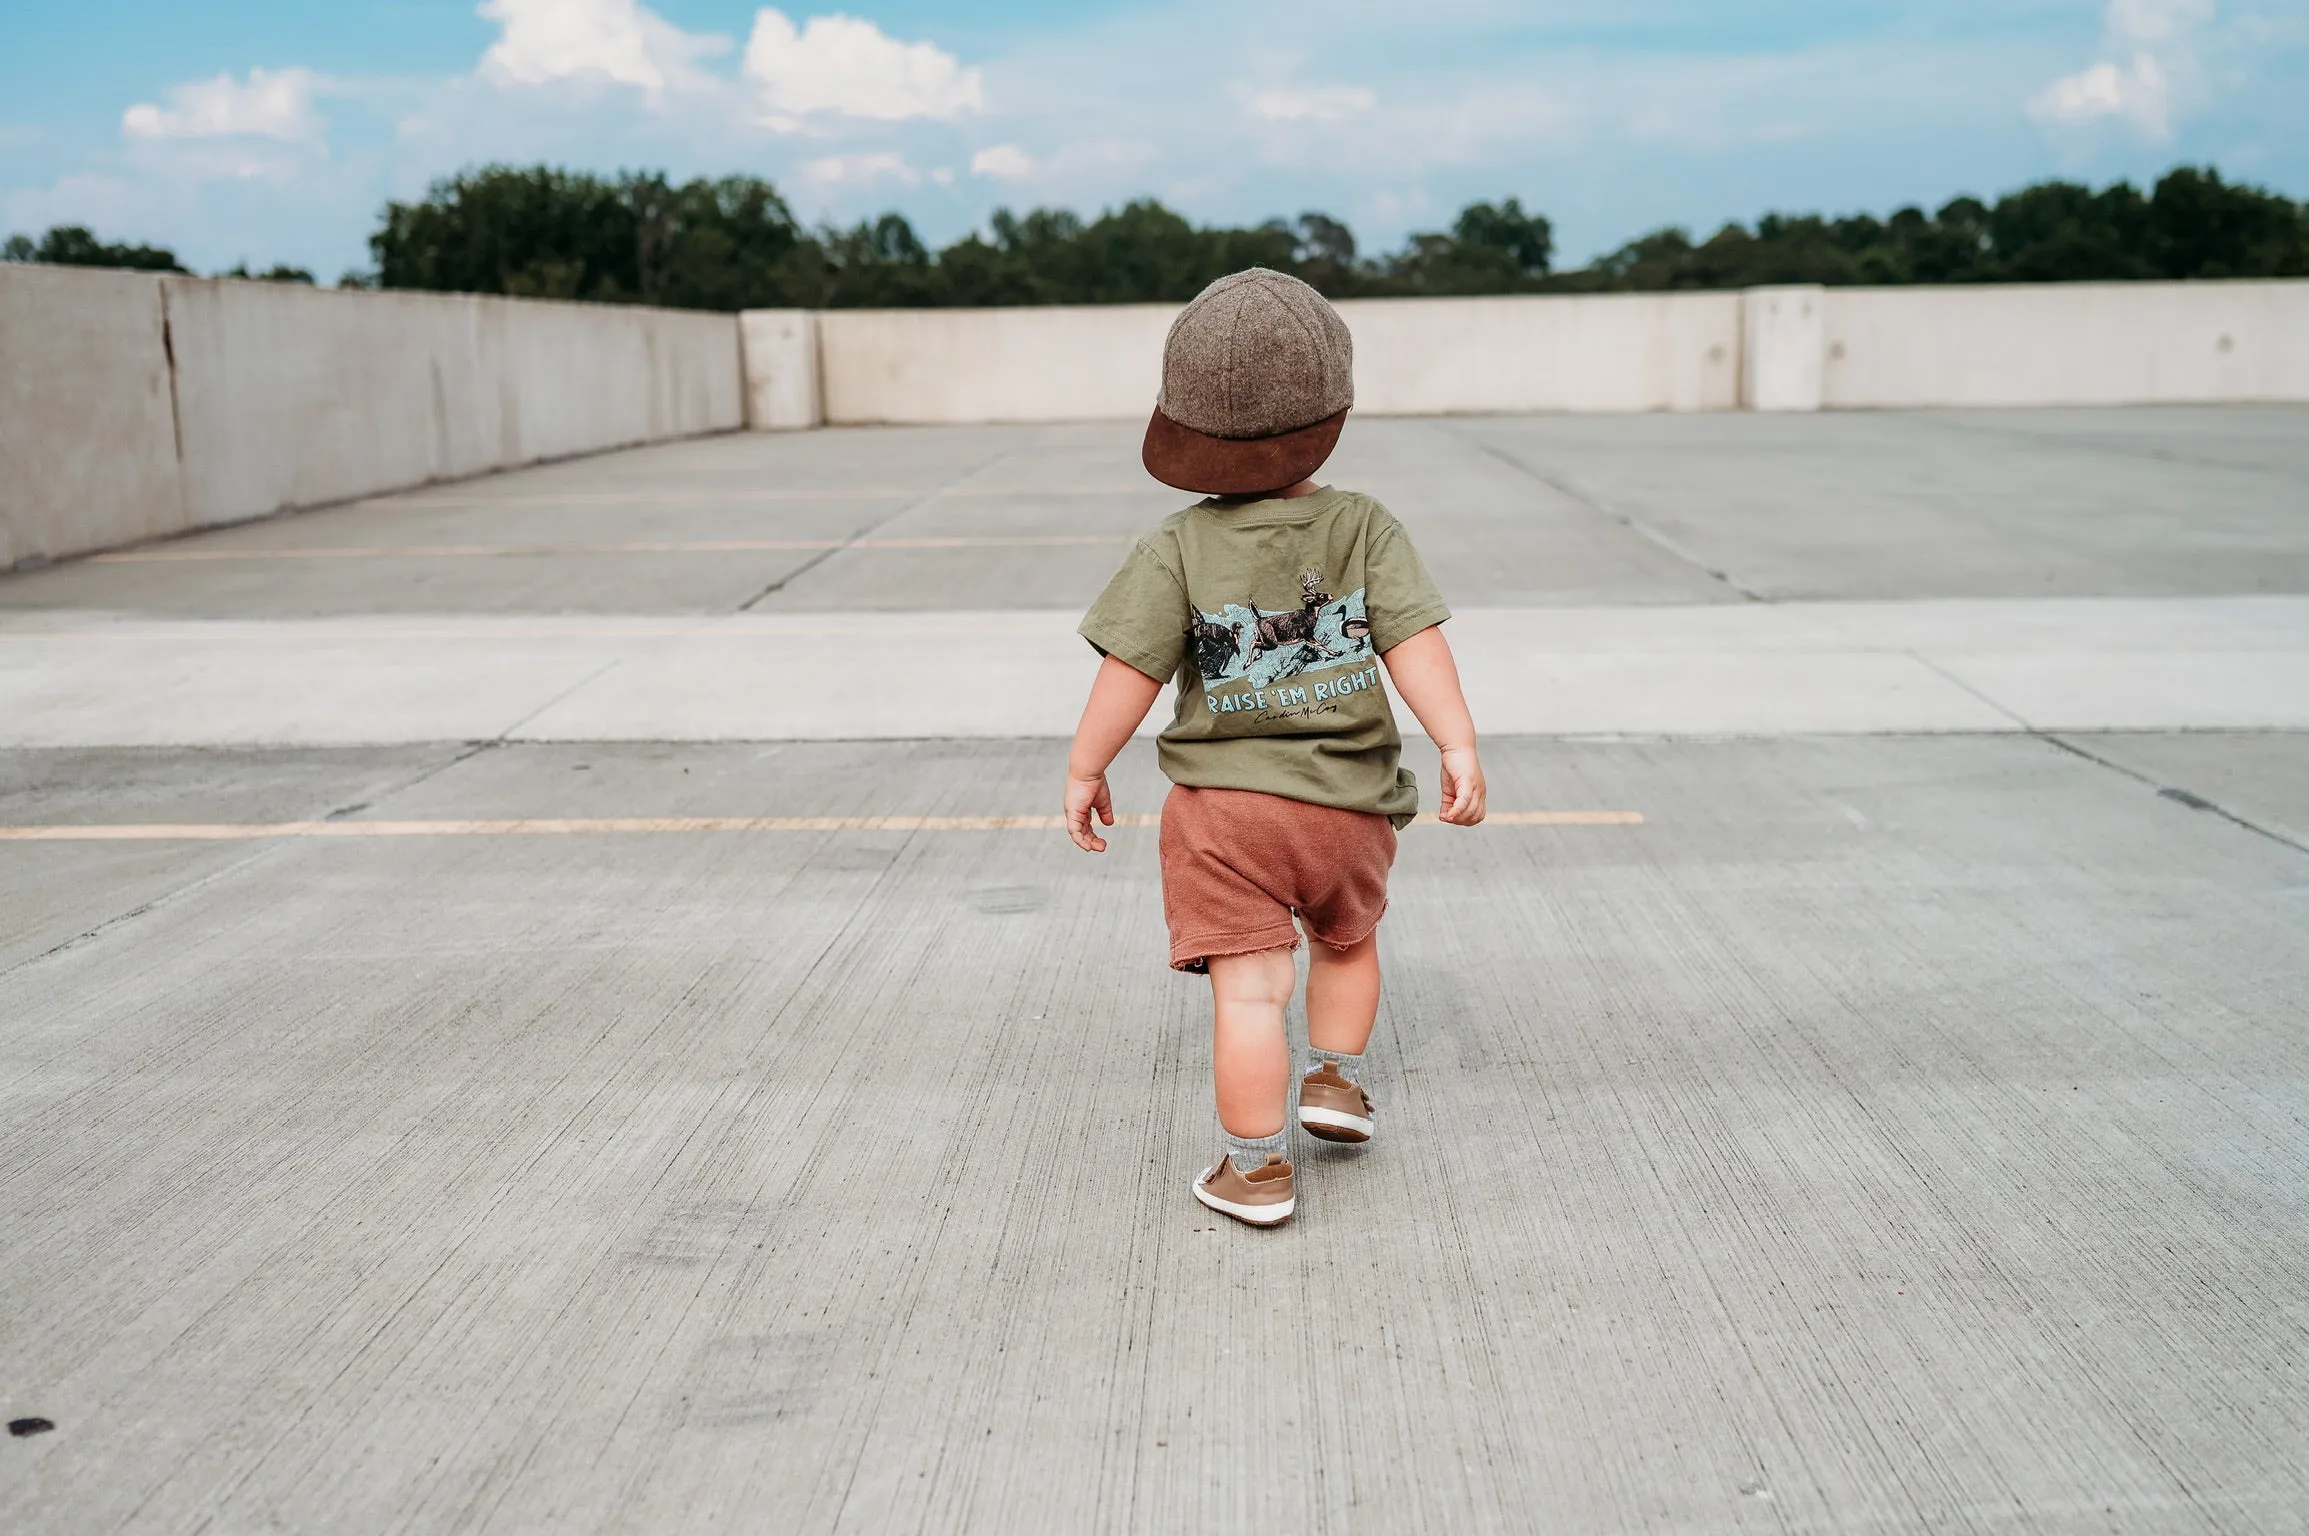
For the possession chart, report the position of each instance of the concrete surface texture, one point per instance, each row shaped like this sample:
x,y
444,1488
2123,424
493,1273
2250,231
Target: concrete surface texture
x,y
1822,668
1854,575
1874,1126
138,406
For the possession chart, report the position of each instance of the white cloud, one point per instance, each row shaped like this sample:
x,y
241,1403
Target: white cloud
x,y
862,169
2148,43
2134,91
546,40
841,65
1003,162
1299,104
271,104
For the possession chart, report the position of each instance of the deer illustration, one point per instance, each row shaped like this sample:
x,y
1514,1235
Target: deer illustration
x,y
1279,630
1215,646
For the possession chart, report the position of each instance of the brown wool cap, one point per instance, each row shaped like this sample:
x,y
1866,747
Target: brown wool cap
x,y
1258,375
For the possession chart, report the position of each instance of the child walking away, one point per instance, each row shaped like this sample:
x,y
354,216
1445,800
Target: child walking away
x,y
1273,604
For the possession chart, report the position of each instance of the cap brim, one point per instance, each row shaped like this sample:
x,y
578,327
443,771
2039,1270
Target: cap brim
x,y
1236,466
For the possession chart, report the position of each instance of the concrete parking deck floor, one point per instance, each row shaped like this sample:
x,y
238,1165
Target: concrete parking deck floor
x,y
1890,1131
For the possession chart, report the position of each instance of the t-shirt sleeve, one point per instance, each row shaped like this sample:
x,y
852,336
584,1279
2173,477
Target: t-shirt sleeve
x,y
1402,599
1141,617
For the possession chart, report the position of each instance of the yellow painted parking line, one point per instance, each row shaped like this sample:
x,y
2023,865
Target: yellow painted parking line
x,y
746,498
1557,819
372,630
624,547
243,831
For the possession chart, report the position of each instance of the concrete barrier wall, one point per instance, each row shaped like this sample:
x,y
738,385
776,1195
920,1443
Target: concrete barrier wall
x,y
1781,347
1413,357
2066,344
1607,352
1060,362
294,397
781,357
1793,348
87,434
133,406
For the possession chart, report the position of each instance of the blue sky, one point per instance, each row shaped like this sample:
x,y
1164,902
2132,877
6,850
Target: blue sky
x,y
270,131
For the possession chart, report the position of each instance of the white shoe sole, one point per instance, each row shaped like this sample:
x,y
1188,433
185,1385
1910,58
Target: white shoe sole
x,y
1249,1215
1317,1119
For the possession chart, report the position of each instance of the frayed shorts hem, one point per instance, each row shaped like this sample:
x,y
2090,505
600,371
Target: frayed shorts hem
x,y
1196,953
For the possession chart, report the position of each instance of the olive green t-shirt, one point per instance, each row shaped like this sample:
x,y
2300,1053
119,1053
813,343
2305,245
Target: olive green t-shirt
x,y
1271,616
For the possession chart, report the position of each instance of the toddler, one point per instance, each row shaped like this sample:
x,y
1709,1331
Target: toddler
x,y
1272,603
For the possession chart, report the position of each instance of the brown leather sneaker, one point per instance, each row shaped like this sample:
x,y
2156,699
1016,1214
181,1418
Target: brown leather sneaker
x,y
1332,1108
1261,1198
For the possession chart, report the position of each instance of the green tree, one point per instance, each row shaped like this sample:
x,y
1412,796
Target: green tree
x,y
1527,238
2196,225
73,245
546,233
279,273
1324,254
2193,225
1490,249
734,244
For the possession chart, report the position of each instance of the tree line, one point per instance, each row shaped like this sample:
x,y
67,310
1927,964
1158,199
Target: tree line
x,y
734,243
75,245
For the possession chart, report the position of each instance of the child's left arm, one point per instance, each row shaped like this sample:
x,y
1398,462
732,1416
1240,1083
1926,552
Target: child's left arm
x,y
1423,672
1119,700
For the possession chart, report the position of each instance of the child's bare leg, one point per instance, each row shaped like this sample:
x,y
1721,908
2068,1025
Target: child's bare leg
x,y
1342,1001
1342,996
1250,1055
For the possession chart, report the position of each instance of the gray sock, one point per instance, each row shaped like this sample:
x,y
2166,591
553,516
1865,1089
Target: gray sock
x,y
1248,1152
1350,1067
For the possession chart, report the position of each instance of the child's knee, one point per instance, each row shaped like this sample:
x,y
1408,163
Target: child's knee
x,y
1260,979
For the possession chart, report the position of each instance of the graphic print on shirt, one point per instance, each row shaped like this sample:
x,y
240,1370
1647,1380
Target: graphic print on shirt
x,y
1246,644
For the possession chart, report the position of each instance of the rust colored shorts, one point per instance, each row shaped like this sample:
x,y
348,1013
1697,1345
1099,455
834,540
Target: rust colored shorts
x,y
1237,865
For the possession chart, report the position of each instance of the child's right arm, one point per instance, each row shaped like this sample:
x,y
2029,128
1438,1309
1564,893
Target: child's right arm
x,y
1423,672
1119,700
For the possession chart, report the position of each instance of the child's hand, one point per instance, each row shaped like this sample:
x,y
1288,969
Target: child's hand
x,y
1462,787
1083,796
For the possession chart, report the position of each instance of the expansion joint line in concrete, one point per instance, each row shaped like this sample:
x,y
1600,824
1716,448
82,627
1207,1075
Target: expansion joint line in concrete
x,y
872,528
141,909
466,754
334,817
595,675
2172,792
2179,796
1941,672
1640,529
